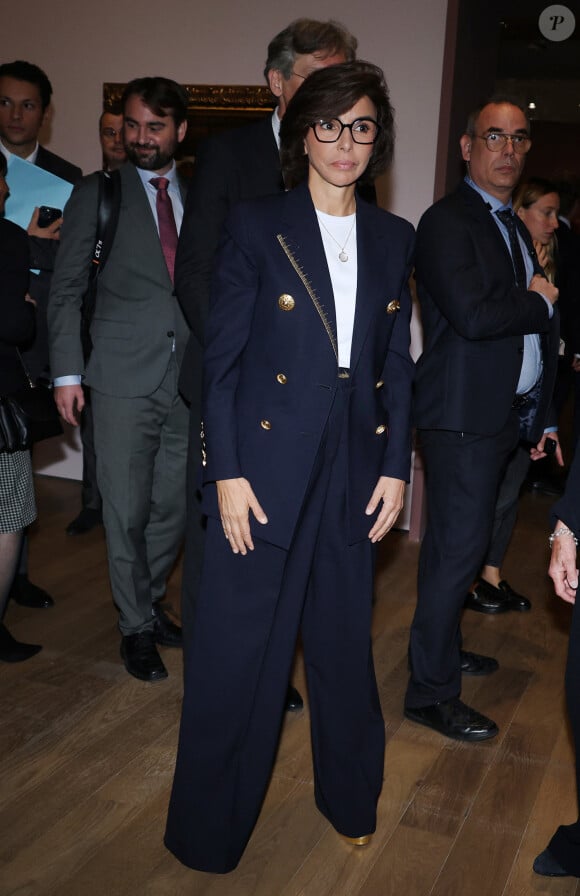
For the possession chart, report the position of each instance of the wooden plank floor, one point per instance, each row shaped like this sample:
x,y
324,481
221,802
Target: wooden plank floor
x,y
87,752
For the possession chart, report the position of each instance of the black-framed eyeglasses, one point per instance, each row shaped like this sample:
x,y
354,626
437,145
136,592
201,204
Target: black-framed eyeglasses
x,y
298,75
362,130
496,142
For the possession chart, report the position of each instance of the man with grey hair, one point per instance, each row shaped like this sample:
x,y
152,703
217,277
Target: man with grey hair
x,y
484,381
235,165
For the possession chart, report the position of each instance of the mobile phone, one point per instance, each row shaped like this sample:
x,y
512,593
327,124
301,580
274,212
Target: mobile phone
x,y
550,446
47,215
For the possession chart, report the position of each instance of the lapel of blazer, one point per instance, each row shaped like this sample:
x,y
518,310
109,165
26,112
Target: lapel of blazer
x,y
138,218
481,217
371,261
481,214
301,242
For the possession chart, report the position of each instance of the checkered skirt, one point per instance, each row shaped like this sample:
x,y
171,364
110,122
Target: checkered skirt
x,y
17,504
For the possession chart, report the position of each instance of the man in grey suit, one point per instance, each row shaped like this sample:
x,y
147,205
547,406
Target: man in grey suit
x,y
139,334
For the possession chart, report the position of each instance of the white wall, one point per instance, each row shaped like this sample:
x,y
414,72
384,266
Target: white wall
x,y
82,45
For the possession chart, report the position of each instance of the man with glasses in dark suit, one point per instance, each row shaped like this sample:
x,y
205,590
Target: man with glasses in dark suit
x,y
485,377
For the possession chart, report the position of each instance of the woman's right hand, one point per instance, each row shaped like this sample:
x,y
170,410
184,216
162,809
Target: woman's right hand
x,y
236,499
541,253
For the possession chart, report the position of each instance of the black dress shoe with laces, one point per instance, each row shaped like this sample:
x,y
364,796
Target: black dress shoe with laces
x,y
24,593
546,865
477,663
294,701
165,631
84,522
13,651
141,658
454,719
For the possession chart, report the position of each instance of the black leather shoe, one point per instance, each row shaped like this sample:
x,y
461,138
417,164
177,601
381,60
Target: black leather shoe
x,y
488,599
165,631
546,865
13,651
483,600
546,486
26,594
514,600
141,657
454,719
294,701
84,522
477,663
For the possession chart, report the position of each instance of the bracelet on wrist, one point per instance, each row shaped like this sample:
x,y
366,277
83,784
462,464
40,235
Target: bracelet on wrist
x,y
558,533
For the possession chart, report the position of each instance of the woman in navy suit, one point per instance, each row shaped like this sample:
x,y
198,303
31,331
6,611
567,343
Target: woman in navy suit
x,y
307,392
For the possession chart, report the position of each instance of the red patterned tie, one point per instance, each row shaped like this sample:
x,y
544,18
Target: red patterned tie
x,y
166,221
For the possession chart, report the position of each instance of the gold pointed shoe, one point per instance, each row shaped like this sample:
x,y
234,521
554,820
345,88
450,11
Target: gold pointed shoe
x,y
358,841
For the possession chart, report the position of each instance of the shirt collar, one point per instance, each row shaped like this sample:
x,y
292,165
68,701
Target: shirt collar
x,y
493,203
8,155
276,126
171,175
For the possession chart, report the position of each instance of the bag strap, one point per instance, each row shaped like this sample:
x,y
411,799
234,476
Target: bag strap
x,y
109,204
25,368
108,207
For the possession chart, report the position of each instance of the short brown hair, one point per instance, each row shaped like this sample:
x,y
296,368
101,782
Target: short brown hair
x,y
162,95
328,93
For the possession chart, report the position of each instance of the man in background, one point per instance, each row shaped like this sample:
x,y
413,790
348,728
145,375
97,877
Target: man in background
x,y
484,381
111,137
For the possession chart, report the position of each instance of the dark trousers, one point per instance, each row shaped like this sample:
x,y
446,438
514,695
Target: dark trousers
x,y
141,446
565,844
90,495
462,477
247,619
194,532
506,506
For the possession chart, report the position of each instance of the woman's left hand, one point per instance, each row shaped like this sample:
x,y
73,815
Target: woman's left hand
x,y
391,492
236,500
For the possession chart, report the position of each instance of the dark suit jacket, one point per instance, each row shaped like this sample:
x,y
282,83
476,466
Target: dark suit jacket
x,y
265,363
17,317
474,319
239,164
42,258
137,317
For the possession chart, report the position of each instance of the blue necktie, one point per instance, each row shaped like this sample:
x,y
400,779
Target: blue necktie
x,y
507,218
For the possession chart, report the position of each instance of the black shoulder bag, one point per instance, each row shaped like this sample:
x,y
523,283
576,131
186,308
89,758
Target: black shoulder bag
x,y
28,416
109,203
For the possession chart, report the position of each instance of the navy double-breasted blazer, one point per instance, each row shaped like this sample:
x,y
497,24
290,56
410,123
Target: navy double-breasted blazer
x,y
271,365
